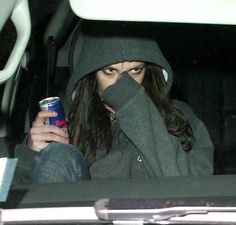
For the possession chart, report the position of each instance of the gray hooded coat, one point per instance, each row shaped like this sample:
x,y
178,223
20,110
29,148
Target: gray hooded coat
x,y
144,147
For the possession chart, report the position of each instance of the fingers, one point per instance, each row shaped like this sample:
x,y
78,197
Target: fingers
x,y
46,129
40,134
41,116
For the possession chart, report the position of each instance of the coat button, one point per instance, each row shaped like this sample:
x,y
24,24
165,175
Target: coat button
x,y
139,159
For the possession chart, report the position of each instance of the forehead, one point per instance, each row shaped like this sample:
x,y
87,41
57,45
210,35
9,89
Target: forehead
x,y
127,64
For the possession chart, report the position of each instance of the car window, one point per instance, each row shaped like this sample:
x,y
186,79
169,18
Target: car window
x,y
202,57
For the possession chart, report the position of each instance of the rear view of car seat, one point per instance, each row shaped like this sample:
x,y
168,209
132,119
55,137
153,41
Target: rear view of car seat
x,y
211,94
57,42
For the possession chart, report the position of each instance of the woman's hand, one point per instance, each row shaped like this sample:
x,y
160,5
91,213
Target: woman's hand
x,y
41,135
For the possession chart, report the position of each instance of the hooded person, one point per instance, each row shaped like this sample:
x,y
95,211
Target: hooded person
x,y
125,126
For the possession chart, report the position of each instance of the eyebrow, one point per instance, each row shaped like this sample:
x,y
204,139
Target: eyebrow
x,y
138,65
112,66
143,64
108,67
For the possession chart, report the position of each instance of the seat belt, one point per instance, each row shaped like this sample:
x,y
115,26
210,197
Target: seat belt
x,y
51,50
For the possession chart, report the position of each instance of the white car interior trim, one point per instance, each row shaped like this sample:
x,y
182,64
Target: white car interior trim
x,y
21,20
181,11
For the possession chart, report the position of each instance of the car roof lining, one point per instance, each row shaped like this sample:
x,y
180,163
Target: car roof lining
x,y
181,11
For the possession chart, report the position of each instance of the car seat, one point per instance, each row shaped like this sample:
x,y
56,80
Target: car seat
x,y
58,43
211,94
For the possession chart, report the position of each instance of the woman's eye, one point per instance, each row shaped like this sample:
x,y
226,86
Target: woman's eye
x,y
137,70
108,71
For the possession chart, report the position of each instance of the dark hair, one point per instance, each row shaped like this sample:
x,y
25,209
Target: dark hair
x,y
175,120
89,121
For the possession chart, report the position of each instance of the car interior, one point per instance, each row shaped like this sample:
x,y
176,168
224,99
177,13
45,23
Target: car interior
x,y
202,57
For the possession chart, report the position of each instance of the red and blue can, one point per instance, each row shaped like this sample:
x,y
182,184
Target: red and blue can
x,y
54,104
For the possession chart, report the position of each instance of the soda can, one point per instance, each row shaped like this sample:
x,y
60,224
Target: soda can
x,y
54,104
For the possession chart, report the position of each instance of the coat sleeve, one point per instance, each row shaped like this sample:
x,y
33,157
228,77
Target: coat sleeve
x,y
161,153
201,155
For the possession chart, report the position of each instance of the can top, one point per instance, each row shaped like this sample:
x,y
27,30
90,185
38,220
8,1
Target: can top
x,y
48,100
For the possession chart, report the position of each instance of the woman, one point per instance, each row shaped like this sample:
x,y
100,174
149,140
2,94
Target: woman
x,y
122,123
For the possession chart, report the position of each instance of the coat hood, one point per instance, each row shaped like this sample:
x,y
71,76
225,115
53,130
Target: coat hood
x,y
102,43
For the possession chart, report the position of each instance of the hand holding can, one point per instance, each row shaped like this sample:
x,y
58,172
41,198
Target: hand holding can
x,y
54,104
